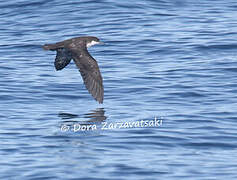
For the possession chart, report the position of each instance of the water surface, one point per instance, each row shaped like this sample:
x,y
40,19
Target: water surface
x,y
169,60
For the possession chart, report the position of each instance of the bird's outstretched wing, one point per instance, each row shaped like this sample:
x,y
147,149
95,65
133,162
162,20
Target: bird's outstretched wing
x,y
62,59
90,73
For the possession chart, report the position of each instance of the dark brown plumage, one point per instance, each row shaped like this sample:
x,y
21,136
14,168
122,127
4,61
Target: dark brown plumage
x,y
76,49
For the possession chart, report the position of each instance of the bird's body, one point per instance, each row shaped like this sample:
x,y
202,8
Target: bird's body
x,y
76,49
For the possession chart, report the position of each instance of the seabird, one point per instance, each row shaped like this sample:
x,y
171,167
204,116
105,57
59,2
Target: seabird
x,y
76,49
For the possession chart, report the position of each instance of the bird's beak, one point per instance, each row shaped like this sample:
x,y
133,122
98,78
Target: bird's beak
x,y
102,43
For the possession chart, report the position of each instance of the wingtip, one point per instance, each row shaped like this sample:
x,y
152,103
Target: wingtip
x,y
99,99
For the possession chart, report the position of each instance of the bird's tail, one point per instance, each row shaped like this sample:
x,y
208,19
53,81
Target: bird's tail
x,y
53,47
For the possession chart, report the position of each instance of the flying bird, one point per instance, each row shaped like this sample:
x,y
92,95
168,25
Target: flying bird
x,y
76,49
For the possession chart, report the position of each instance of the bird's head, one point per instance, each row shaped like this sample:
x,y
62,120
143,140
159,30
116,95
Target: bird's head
x,y
91,41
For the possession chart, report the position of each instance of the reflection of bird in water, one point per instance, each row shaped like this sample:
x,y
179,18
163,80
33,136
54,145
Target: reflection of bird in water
x,y
95,116
76,49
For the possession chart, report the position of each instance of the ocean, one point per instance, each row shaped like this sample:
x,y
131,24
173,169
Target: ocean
x,y
170,79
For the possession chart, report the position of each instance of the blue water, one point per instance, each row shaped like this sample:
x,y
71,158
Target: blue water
x,y
165,60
